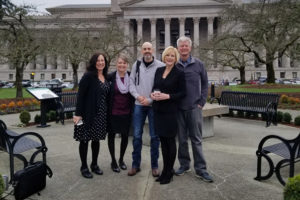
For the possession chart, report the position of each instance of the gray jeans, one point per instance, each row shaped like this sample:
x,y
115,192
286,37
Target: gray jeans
x,y
190,125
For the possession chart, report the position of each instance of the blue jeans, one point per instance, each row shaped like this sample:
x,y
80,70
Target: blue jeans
x,y
139,116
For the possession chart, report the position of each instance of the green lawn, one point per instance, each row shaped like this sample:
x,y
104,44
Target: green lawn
x,y
264,89
7,93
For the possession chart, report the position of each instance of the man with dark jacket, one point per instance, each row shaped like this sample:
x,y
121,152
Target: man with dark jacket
x,y
190,111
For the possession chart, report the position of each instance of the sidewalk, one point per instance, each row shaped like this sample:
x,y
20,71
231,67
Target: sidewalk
x,y
230,157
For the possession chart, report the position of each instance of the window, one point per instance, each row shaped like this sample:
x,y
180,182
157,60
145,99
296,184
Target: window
x,y
258,75
64,76
52,76
10,76
256,63
42,76
282,74
294,74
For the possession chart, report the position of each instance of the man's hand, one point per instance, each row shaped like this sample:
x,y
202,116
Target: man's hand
x,y
145,102
141,99
200,106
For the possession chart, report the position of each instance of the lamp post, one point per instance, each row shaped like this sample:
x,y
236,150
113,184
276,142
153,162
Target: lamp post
x,y
32,76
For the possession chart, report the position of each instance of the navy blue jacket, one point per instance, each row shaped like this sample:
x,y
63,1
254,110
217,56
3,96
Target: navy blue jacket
x,y
196,84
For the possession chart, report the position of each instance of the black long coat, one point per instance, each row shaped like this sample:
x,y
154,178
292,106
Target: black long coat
x,y
165,111
87,97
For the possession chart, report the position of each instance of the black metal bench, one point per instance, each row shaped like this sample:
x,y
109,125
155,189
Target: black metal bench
x,y
289,150
263,103
15,144
66,103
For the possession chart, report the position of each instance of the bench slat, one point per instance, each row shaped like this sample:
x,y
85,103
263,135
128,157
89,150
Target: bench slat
x,y
23,144
279,149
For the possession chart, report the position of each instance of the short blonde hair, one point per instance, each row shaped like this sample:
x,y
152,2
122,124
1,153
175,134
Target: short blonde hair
x,y
168,50
123,57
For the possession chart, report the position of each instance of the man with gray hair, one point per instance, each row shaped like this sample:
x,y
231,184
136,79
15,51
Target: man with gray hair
x,y
190,111
140,87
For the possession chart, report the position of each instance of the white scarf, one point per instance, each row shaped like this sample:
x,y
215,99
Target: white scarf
x,y
123,87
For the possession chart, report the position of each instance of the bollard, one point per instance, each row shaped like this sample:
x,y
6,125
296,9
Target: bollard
x,y
212,90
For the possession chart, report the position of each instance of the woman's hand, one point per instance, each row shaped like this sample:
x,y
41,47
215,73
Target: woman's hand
x,y
76,119
159,96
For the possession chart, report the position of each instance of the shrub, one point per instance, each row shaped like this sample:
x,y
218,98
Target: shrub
x,y
279,116
292,188
2,187
240,114
297,120
297,100
35,102
20,104
69,115
284,99
37,119
255,115
287,117
12,105
52,115
292,100
248,114
3,106
27,103
25,117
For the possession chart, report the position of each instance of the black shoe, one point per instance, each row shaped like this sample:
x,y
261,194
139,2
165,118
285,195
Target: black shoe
x,y
96,169
122,165
86,173
166,180
115,167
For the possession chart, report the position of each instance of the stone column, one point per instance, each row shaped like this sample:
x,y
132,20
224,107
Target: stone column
x,y
181,26
139,35
153,35
196,34
140,29
286,61
126,27
167,32
275,61
60,63
210,27
40,62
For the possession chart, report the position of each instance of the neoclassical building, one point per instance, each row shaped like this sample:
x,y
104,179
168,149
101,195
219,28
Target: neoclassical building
x,y
158,21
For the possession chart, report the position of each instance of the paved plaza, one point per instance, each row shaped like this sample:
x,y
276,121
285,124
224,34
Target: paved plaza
x,y
230,156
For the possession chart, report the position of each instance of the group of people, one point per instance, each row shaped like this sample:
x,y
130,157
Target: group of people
x,y
170,93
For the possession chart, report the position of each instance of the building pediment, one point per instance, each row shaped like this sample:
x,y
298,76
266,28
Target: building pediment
x,y
171,3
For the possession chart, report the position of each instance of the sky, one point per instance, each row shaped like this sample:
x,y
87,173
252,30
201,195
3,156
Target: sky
x,y
42,4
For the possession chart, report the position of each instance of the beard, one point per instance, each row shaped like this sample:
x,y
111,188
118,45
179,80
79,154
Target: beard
x,y
148,57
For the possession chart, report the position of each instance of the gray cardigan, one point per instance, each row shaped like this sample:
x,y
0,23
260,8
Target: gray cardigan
x,y
196,84
146,80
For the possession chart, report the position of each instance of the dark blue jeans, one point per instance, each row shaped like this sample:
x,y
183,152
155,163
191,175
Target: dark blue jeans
x,y
139,116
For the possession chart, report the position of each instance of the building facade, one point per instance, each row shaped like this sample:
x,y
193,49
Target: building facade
x,y
160,22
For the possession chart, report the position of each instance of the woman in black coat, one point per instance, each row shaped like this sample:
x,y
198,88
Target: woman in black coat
x,y
91,112
169,87
121,103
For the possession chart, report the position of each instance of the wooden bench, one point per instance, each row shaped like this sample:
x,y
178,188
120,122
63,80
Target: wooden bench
x,y
263,103
65,104
15,144
289,150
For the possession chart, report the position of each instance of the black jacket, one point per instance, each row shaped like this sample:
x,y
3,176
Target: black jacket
x,y
174,85
87,98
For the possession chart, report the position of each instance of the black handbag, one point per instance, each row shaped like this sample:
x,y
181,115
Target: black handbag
x,y
30,180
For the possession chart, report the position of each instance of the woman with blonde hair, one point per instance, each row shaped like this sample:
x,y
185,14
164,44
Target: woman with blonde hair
x,y
169,87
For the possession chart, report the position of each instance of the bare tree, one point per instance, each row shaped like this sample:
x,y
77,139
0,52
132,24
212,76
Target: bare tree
x,y
18,46
112,41
271,25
